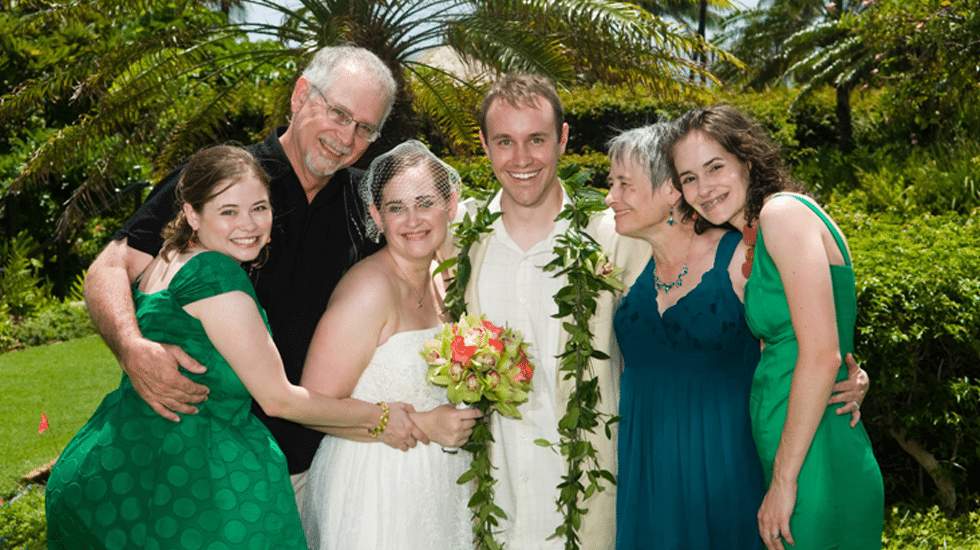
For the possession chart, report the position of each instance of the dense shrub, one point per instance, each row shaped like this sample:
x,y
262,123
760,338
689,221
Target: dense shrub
x,y
29,314
935,180
800,125
22,289
908,528
597,113
55,322
22,523
918,330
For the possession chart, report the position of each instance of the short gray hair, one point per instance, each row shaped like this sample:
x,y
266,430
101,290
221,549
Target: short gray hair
x,y
645,147
321,71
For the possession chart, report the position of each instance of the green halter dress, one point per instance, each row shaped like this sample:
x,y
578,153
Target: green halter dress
x,y
839,503
215,480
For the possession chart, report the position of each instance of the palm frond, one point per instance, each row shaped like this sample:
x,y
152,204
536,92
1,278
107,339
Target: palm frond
x,y
449,102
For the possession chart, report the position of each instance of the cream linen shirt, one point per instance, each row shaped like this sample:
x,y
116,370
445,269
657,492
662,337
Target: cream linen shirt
x,y
515,290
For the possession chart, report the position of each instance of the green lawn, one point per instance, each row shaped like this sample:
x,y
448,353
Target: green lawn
x,y
66,381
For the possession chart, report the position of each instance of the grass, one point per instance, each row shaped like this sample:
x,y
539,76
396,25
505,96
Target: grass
x,y
66,381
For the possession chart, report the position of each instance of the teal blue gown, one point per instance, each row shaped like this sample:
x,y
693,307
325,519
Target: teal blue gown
x,y
689,476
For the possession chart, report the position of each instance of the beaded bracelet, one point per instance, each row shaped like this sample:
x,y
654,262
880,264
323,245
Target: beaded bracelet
x,y
382,422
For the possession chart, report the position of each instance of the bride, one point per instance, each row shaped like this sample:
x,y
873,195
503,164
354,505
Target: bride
x,y
359,494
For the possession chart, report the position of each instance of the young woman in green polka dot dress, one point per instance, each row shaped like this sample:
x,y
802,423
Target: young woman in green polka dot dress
x,y
216,479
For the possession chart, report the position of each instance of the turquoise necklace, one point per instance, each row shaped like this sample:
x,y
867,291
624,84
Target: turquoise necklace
x,y
666,287
679,282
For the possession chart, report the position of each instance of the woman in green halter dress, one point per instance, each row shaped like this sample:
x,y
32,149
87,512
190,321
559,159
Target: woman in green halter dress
x,y
132,479
824,487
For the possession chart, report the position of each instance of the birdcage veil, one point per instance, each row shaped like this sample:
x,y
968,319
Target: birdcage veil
x,y
413,164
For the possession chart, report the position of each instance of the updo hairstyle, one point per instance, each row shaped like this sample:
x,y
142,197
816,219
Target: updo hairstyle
x,y
207,174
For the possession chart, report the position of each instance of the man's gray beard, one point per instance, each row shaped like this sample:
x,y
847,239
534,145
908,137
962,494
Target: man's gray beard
x,y
309,160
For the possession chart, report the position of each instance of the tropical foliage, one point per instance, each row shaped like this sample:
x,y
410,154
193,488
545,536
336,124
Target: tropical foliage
x,y
99,97
121,80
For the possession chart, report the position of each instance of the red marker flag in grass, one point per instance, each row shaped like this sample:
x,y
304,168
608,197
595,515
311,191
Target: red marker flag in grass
x,y
43,425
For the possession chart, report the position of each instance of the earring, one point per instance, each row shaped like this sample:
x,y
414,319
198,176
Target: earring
x,y
670,218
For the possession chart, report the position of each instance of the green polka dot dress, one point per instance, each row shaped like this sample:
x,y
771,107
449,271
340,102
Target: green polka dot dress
x,y
215,480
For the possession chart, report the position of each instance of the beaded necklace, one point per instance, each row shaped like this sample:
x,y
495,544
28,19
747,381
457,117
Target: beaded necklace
x,y
666,287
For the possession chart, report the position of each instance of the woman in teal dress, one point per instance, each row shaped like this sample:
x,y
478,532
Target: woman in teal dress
x,y
824,488
132,479
689,475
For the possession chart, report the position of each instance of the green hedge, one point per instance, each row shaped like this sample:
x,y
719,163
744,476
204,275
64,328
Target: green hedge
x,y
800,126
597,113
918,332
22,522
936,180
29,313
57,321
908,527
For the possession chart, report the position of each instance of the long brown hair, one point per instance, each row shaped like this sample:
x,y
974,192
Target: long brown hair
x,y
206,175
743,137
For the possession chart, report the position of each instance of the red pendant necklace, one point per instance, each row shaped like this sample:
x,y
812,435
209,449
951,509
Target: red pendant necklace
x,y
749,236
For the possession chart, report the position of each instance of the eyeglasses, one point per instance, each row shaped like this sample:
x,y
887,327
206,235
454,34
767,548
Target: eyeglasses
x,y
340,116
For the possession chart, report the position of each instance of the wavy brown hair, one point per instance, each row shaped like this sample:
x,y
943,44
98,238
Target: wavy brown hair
x,y
206,175
743,137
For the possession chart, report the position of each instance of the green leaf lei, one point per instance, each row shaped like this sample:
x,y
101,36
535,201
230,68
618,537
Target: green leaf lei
x,y
580,259
588,273
482,506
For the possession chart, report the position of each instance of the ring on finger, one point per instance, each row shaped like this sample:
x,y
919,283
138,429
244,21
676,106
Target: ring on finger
x,y
857,406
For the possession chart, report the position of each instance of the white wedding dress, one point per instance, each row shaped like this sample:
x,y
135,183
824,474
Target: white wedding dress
x,y
367,496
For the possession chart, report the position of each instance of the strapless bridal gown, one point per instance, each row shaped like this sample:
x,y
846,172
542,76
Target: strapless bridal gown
x,y
366,496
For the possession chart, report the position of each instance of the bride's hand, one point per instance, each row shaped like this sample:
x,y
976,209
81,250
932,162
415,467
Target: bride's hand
x,y
448,426
401,432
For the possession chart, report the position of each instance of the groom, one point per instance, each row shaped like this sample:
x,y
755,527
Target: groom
x,y
523,133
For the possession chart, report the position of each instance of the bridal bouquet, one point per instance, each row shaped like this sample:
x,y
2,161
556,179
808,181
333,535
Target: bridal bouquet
x,y
476,360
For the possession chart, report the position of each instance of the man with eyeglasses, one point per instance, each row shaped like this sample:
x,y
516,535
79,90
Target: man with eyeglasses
x,y
338,107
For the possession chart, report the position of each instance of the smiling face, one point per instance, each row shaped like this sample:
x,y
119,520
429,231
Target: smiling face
x,y
636,204
523,149
713,180
237,221
414,215
326,145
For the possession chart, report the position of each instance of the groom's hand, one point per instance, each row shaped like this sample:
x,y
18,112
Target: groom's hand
x,y
401,432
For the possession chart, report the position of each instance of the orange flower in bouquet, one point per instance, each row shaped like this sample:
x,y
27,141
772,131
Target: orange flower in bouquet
x,y
476,360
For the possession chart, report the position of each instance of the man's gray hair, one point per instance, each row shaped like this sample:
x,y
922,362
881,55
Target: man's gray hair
x,y
323,68
644,146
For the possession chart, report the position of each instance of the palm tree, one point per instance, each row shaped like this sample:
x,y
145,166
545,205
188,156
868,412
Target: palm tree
x,y
808,42
831,53
703,14
167,91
